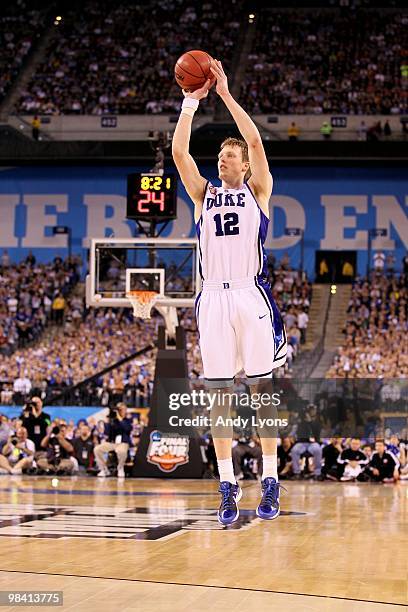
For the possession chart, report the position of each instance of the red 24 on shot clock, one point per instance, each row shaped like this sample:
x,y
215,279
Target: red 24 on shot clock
x,y
151,196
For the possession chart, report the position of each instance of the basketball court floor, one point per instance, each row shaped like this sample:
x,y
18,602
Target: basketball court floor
x,y
156,545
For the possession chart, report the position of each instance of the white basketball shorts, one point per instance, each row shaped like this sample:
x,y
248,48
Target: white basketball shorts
x,y
240,328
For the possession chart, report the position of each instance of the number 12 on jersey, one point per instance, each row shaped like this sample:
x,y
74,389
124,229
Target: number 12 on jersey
x,y
226,225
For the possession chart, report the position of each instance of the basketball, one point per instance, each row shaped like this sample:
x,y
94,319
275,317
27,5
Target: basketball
x,y
192,69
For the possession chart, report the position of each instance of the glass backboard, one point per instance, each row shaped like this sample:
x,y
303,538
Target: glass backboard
x,y
165,265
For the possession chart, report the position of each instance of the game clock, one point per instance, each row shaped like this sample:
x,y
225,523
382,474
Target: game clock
x,y
151,196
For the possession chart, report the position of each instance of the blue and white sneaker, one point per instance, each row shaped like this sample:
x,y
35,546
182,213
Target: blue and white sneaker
x,y
268,508
228,512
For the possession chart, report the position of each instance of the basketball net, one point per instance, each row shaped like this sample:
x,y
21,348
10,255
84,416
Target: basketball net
x,y
142,302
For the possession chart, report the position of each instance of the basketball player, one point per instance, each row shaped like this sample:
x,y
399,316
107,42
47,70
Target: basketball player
x,y
239,324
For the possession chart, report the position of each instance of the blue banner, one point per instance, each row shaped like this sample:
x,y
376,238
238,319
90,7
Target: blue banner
x,y
335,208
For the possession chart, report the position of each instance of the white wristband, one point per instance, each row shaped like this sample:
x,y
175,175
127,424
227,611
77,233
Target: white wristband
x,y
190,103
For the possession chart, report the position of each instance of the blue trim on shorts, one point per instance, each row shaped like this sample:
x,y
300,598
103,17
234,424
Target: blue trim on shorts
x,y
279,331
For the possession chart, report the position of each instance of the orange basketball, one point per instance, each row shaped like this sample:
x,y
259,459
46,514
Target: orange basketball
x,y
192,69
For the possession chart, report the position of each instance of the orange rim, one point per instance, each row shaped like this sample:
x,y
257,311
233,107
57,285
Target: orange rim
x,y
143,297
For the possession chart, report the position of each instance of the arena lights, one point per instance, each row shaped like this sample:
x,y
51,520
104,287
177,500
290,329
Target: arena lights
x,y
333,289
58,20
251,17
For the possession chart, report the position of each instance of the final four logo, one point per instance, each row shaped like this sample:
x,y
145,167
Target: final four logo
x,y
213,190
166,451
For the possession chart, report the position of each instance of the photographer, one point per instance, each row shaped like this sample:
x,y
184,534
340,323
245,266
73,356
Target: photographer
x,y
352,461
308,436
383,466
18,453
59,451
83,448
118,430
5,430
246,445
35,420
285,458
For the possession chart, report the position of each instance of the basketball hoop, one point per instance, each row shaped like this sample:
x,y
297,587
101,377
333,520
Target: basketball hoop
x,y
142,302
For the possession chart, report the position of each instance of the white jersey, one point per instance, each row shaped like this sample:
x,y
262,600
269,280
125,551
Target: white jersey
x,y
231,233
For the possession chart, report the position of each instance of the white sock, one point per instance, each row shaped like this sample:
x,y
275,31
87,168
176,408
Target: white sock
x,y
226,470
270,467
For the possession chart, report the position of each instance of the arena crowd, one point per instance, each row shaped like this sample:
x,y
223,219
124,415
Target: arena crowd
x,y
120,60
82,342
32,443
77,343
348,62
376,330
20,27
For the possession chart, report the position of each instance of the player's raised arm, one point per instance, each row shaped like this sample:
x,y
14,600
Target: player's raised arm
x,y
186,166
261,179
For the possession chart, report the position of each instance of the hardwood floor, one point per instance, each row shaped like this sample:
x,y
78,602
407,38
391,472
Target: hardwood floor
x,y
156,545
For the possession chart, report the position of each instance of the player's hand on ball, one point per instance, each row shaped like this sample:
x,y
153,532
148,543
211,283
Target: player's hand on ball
x,y
222,81
201,93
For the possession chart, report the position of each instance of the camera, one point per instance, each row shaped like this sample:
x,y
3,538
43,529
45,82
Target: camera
x,y
29,407
14,441
113,413
55,430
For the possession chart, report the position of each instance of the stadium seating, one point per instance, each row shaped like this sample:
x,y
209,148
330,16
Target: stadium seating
x,y
104,62
18,32
326,62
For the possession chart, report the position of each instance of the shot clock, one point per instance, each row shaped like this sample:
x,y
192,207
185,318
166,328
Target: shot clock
x,y
151,196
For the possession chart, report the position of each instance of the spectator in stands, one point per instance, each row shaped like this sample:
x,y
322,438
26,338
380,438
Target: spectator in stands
x,y
30,259
18,453
302,322
348,271
293,131
379,261
246,445
352,461
383,466
58,307
118,430
284,458
35,124
387,130
59,451
330,454
308,441
326,130
398,449
83,447
5,259
35,421
390,262
4,430
99,433
362,131
21,387
285,261
368,451
374,132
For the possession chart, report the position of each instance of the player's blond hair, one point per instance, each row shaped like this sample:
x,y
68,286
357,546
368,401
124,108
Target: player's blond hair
x,y
238,142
